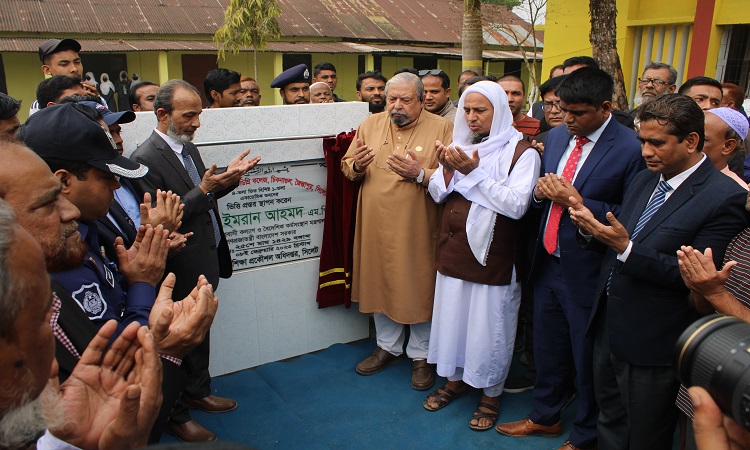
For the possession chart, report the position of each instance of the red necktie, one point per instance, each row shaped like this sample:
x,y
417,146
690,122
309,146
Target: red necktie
x,y
555,213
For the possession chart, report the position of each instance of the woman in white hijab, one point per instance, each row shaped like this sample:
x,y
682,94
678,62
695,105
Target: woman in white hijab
x,y
486,179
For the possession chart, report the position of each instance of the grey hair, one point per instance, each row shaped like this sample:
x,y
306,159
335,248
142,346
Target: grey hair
x,y
731,134
404,78
660,65
10,303
165,95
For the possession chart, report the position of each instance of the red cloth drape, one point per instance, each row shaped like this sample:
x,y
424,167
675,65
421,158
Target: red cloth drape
x,y
334,286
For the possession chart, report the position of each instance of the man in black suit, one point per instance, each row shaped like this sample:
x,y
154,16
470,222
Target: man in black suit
x,y
641,303
175,164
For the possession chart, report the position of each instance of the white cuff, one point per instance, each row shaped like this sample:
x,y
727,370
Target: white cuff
x,y
622,257
50,442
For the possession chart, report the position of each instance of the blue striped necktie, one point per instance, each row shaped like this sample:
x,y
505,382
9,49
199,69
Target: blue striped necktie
x,y
659,197
657,200
193,172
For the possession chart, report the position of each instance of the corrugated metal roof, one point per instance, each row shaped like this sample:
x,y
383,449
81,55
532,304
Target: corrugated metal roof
x,y
115,45
426,21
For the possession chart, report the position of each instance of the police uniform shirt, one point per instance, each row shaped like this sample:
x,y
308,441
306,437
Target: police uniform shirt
x,y
100,289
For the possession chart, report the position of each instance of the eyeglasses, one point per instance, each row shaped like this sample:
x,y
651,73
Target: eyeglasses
x,y
433,72
547,106
656,82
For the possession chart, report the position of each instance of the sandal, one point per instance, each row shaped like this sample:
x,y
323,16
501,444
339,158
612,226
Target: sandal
x,y
444,395
479,414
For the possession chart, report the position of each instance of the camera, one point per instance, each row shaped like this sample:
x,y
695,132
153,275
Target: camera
x,y
714,353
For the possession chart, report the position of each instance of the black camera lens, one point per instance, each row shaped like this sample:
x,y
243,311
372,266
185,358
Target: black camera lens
x,y
713,353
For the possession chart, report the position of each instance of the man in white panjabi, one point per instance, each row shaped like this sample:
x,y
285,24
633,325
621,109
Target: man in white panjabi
x,y
486,189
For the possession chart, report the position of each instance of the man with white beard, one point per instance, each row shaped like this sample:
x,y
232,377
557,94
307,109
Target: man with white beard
x,y
657,79
111,398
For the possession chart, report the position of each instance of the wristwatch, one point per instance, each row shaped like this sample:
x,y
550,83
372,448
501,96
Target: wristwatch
x,y
420,178
211,196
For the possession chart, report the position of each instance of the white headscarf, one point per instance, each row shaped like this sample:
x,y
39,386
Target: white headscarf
x,y
495,155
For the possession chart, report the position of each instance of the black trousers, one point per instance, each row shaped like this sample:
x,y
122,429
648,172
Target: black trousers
x,y
636,403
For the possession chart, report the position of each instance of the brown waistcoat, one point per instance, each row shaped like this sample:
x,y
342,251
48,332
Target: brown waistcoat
x,y
454,256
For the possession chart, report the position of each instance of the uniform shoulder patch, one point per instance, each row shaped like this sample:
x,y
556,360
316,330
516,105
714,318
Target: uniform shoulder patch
x,y
89,297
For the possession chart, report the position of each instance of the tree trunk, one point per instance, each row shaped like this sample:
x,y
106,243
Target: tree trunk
x,y
472,40
603,38
255,62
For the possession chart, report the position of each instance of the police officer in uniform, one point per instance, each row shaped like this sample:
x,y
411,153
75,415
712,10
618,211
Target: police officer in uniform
x,y
294,85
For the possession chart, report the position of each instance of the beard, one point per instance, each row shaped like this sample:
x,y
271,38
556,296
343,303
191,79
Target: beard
x,y
376,105
400,118
177,136
20,425
60,256
475,138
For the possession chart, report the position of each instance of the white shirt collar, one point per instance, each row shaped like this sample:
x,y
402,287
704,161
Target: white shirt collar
x,y
174,145
678,179
593,137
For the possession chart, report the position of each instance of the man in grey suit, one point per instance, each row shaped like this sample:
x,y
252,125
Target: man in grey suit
x,y
641,303
175,164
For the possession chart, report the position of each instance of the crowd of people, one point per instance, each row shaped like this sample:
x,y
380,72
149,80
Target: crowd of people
x,y
588,238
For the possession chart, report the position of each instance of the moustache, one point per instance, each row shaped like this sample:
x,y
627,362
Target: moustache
x,y
70,229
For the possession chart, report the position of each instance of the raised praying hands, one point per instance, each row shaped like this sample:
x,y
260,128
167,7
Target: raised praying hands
x,y
699,271
459,160
144,261
556,188
166,212
406,167
614,236
238,166
178,326
112,397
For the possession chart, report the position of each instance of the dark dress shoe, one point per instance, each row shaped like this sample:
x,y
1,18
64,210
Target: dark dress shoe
x,y
422,375
213,404
190,431
375,362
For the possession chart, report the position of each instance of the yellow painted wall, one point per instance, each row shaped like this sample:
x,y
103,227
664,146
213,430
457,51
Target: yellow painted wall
x,y
732,12
657,12
566,32
391,64
567,28
347,70
145,64
22,74
453,68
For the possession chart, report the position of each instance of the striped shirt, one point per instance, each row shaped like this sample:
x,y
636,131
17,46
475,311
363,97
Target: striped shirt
x,y
738,284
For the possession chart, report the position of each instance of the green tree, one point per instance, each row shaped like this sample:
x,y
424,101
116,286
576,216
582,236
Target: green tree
x,y
248,23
